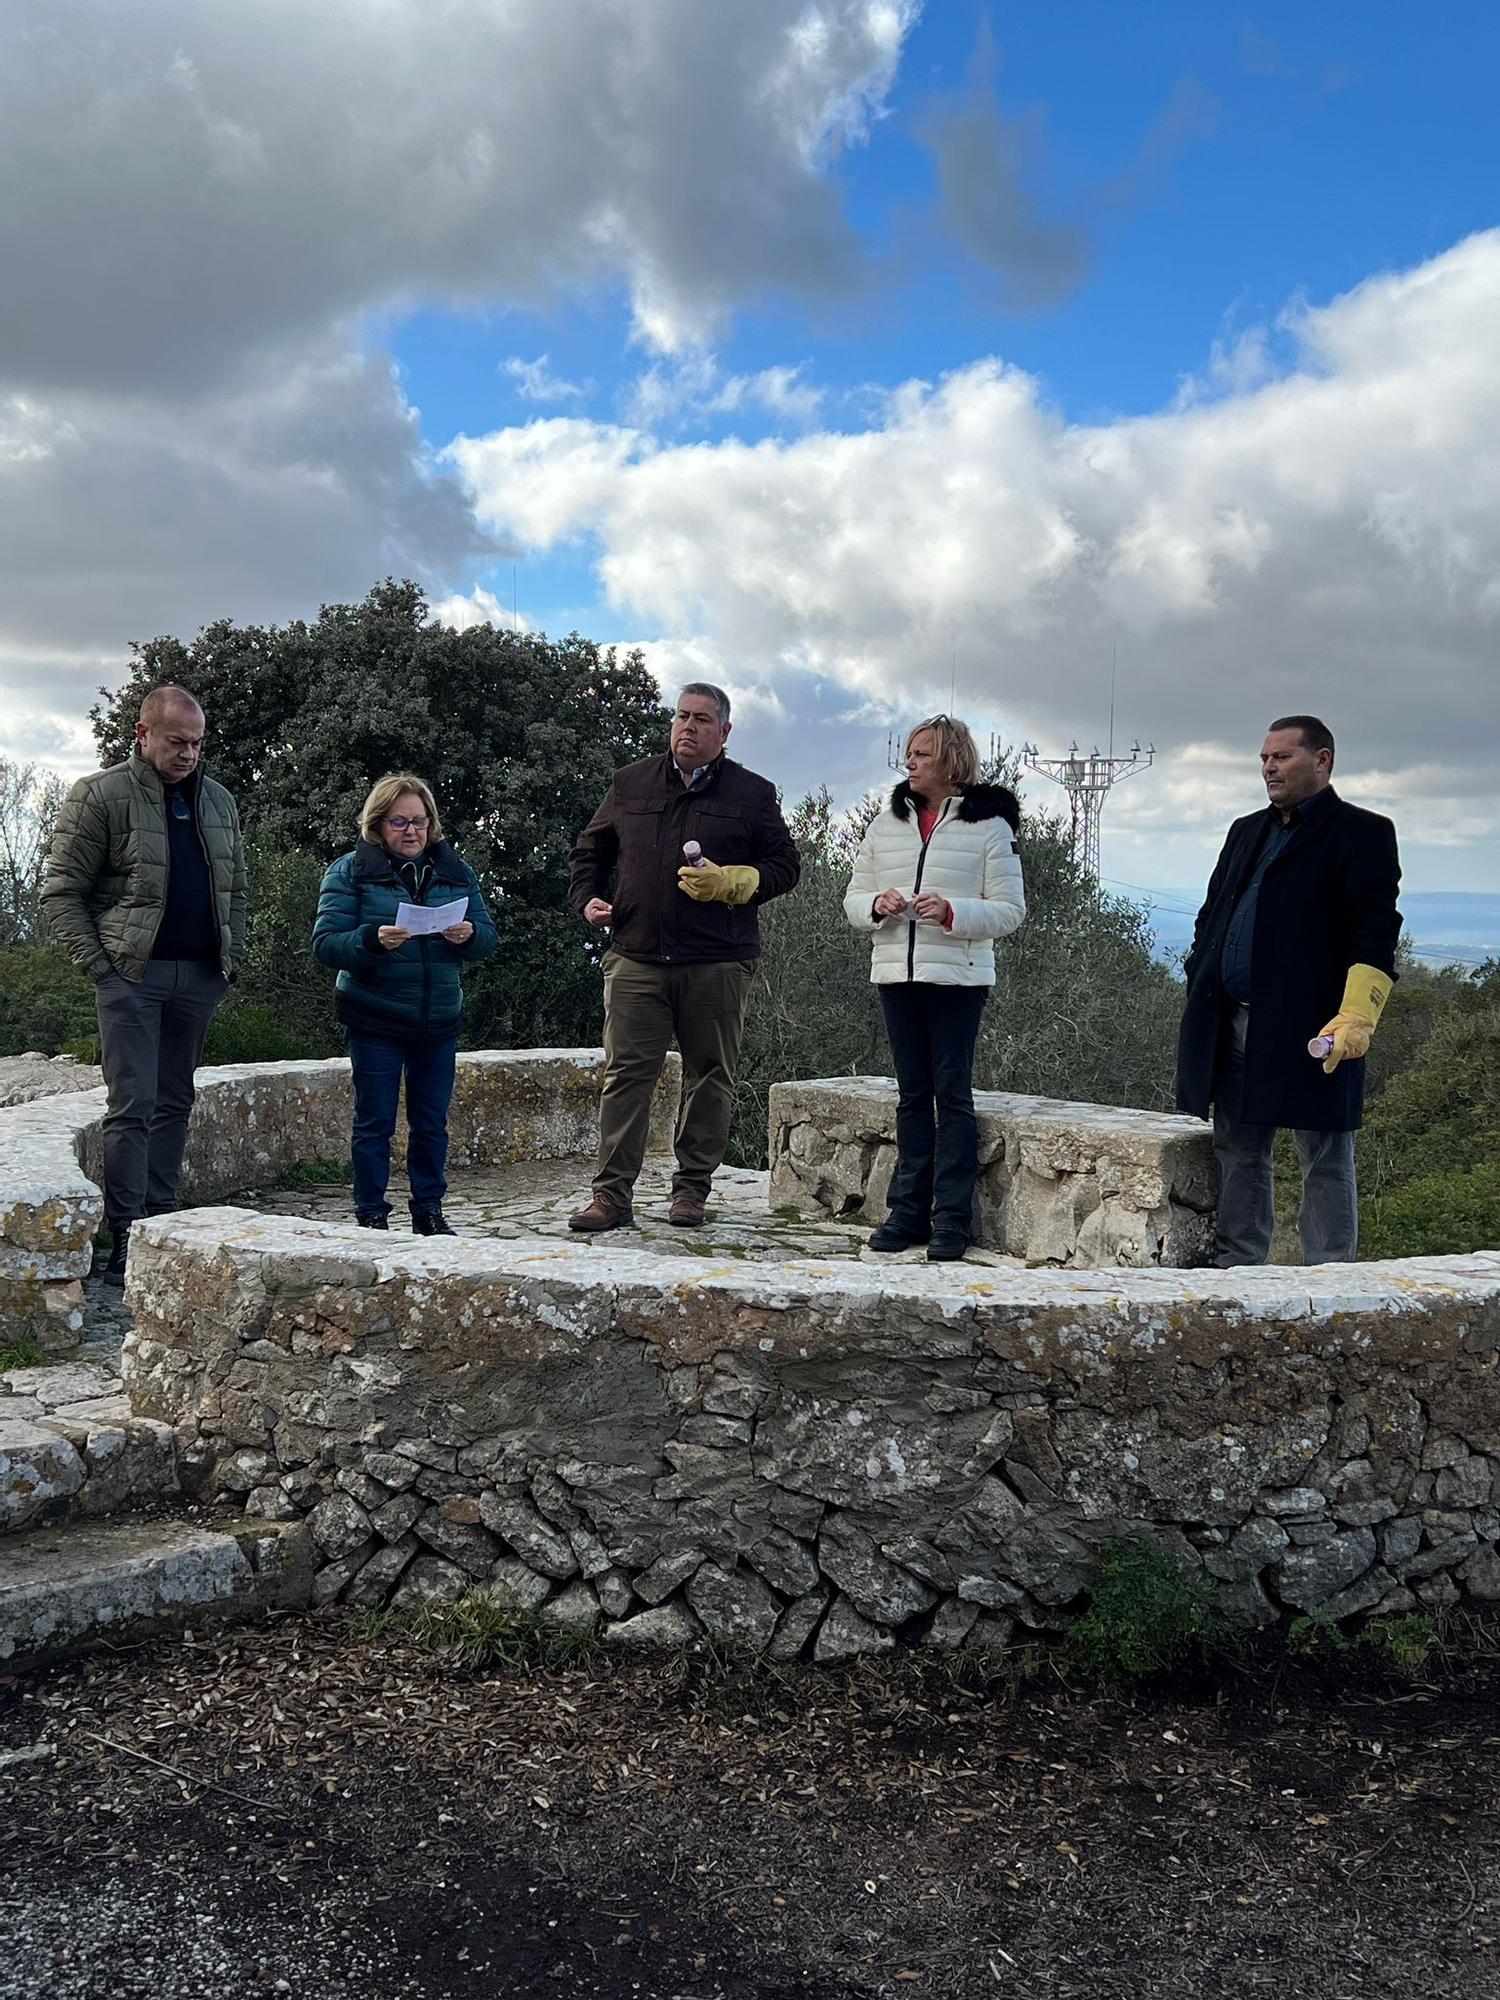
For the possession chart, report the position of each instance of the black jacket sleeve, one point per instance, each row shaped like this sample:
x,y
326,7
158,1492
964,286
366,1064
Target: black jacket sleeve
x,y
1373,878
774,851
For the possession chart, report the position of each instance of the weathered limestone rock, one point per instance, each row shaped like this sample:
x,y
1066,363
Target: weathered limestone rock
x,y
429,1580
734,1606
39,1471
576,1606
844,1635
339,1524
1080,1185
798,1623
1309,1577
664,1628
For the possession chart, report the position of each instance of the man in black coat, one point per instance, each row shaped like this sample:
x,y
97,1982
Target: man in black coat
x,y
684,944
1298,929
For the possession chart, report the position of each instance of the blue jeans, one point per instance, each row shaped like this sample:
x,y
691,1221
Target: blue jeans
x,y
932,1032
378,1065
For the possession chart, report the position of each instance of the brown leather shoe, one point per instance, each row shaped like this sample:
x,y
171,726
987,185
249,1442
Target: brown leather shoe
x,y
603,1212
687,1211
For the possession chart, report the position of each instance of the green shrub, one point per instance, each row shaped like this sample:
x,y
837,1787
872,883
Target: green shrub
x,y
1146,1613
252,1033
1439,1215
46,1003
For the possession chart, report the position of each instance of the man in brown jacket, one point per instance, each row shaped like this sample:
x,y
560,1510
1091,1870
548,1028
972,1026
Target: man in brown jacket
x,y
684,944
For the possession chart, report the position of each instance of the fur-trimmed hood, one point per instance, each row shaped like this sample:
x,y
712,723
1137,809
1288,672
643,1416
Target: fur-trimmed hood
x,y
975,802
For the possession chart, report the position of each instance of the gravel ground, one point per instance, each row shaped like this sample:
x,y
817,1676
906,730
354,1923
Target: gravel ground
x,y
301,1809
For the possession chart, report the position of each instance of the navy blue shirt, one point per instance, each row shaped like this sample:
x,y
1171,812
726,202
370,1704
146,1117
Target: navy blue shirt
x,y
1239,938
189,928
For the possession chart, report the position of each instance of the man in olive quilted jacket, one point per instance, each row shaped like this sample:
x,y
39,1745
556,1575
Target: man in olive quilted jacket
x,y
145,889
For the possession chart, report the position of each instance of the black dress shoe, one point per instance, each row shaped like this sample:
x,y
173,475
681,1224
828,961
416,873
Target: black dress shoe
x,y
890,1237
430,1222
947,1249
114,1271
373,1218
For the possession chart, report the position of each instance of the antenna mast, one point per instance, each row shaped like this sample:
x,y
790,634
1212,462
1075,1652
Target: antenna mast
x,y
1088,781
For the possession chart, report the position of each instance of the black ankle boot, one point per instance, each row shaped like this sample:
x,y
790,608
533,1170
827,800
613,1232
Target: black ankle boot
x,y
893,1236
430,1222
373,1218
945,1249
114,1271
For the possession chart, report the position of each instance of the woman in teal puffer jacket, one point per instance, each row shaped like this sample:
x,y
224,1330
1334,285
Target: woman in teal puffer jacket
x,y
399,997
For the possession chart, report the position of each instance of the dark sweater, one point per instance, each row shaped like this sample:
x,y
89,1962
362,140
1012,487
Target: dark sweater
x,y
189,928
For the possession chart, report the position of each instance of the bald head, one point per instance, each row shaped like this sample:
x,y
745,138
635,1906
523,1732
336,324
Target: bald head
x,y
169,733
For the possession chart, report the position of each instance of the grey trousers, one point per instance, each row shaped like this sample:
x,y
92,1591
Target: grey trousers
x,y
1328,1220
645,1007
151,1035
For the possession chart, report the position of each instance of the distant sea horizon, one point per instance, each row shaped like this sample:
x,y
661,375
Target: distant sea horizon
x,y
1444,927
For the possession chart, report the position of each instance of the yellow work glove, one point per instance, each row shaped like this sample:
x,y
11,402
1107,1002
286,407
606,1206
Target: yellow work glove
x,y
709,883
1365,994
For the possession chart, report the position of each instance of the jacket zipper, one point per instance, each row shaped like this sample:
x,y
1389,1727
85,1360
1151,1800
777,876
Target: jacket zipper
x,y
916,890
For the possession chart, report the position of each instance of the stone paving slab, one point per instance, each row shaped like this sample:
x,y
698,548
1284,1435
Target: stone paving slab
x,y
63,1586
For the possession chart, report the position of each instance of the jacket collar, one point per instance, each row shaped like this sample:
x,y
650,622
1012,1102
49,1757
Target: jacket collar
x,y
374,862
150,779
974,803
672,780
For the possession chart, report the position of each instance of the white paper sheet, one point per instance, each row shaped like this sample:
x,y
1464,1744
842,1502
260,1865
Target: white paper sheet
x,y
422,920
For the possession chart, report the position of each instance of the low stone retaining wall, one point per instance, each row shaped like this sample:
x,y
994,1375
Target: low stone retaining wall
x,y
1085,1186
71,1446
250,1123
822,1458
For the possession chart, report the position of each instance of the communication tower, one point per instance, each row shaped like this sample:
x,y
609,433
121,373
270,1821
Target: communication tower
x,y
1088,780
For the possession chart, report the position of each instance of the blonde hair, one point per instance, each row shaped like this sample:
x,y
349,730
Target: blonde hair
x,y
953,746
384,794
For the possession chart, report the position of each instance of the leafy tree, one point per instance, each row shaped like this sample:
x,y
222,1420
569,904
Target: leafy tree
x,y
517,734
29,803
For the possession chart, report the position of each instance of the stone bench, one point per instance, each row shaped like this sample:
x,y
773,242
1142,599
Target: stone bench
x,y
817,1456
1083,1186
251,1122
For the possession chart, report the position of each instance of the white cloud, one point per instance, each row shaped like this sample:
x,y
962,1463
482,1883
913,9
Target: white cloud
x,y
1326,539
692,385
536,383
478,607
225,179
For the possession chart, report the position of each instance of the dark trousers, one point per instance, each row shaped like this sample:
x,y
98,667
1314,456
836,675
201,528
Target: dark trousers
x,y
932,1032
151,1036
378,1065
1328,1220
646,1007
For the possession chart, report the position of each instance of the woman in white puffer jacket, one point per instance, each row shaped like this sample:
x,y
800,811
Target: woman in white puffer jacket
x,y
937,880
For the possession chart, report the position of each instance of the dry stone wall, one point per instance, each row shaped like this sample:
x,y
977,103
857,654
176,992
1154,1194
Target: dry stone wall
x,y
250,1123
821,1458
1083,1186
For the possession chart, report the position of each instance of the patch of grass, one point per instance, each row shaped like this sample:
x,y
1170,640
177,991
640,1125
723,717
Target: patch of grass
x,y
25,1352
482,1630
1146,1614
1406,1644
316,1173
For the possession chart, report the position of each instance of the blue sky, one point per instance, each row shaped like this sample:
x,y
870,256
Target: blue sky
x,y
850,352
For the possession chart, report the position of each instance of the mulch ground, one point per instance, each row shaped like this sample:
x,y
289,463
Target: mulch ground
x,y
299,1809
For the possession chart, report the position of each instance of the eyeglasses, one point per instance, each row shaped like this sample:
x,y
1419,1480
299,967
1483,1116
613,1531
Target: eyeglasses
x,y
416,825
